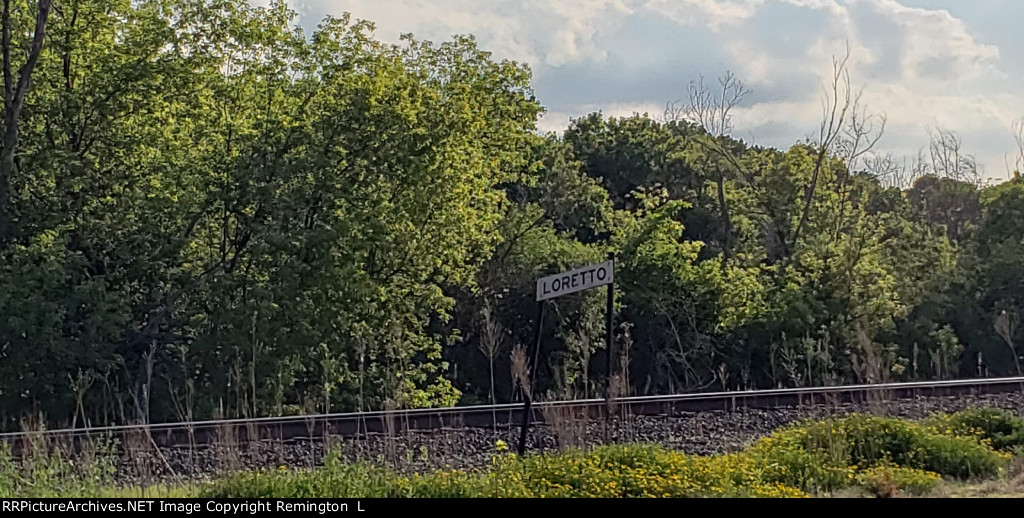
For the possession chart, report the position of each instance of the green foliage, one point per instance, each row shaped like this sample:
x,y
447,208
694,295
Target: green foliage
x,y
880,455
209,198
665,285
42,472
606,472
340,480
883,481
827,455
1002,429
948,203
883,456
215,213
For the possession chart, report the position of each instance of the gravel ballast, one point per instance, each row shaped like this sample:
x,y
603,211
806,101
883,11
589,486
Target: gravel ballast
x,y
699,433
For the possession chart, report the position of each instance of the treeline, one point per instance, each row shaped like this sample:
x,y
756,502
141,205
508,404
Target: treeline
x,y
207,212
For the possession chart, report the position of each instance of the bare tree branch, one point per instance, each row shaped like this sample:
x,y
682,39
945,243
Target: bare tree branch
x,y
836,103
713,113
948,159
1018,138
859,137
891,171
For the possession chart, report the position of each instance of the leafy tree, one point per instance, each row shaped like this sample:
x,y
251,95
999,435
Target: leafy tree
x,y
221,207
205,211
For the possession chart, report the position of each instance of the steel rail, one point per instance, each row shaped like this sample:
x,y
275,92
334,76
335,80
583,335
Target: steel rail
x,y
484,415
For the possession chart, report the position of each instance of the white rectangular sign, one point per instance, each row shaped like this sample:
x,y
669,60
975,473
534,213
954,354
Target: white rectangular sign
x,y
576,280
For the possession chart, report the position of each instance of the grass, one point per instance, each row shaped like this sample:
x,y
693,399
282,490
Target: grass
x,y
607,472
970,453
156,491
1009,487
860,454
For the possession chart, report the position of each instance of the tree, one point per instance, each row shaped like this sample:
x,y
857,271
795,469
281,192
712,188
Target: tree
x,y
179,184
15,89
950,204
713,114
948,160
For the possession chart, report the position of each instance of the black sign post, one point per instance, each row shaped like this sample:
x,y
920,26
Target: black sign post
x,y
528,394
609,342
563,284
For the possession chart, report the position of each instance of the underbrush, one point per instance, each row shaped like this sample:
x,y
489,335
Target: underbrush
x,y
832,454
1002,429
633,471
45,472
881,456
874,455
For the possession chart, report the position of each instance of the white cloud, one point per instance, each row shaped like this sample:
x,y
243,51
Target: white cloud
x,y
536,31
921,66
939,51
946,77
713,14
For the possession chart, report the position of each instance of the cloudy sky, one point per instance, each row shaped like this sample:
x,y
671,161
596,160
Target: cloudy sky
x,y
949,64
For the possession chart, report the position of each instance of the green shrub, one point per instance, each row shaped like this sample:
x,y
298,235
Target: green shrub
x,y
787,460
826,455
1001,428
885,480
47,472
882,455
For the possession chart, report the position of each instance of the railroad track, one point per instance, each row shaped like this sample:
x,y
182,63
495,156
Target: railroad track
x,y
348,424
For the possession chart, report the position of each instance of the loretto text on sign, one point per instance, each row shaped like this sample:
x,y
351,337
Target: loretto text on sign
x,y
576,280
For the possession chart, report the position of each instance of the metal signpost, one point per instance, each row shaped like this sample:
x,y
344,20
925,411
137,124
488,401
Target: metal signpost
x,y
553,286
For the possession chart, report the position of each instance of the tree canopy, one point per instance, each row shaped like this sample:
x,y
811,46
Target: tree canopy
x,y
205,211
